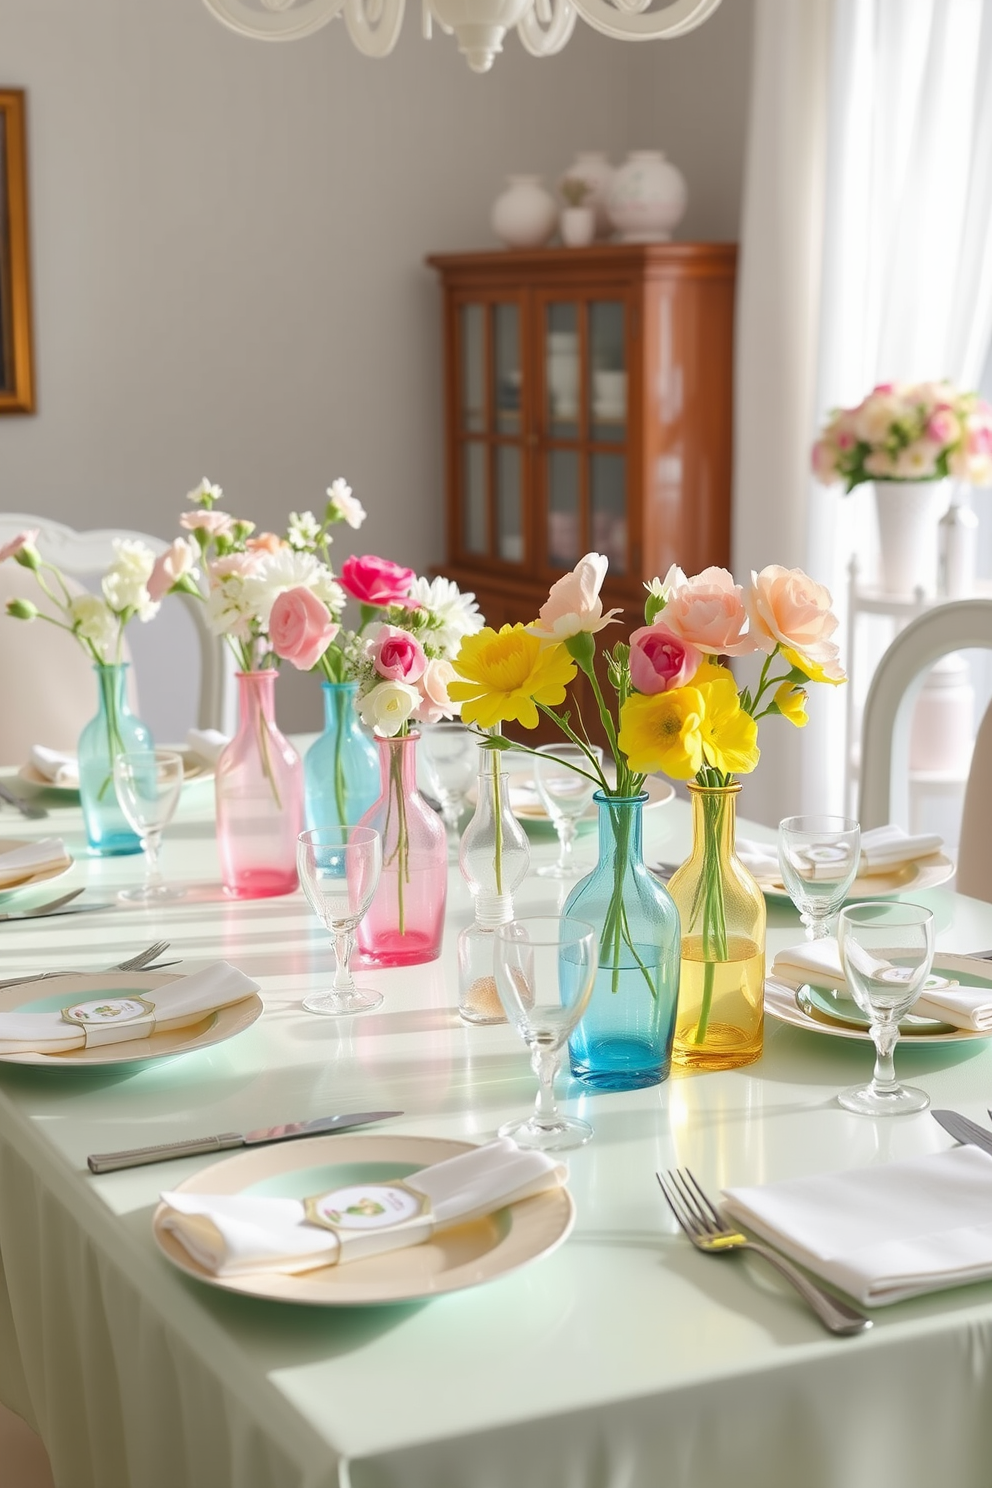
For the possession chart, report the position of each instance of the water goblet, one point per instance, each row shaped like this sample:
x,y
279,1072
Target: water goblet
x,y
451,764
566,796
886,949
148,783
339,870
819,857
545,969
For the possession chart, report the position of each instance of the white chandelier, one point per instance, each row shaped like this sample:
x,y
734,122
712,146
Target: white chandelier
x,y
544,26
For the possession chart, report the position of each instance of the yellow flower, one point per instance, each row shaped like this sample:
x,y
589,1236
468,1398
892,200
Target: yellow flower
x,y
507,674
790,701
729,735
827,669
660,731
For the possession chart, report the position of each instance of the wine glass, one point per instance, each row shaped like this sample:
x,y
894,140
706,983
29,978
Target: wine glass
x,y
451,764
819,857
886,949
545,969
339,870
148,783
566,796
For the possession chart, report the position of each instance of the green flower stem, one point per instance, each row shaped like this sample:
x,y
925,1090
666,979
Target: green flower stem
x,y
709,901
340,786
498,807
401,852
108,678
616,930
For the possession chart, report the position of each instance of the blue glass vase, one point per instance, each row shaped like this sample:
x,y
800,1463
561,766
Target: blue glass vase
x,y
114,730
625,1038
342,765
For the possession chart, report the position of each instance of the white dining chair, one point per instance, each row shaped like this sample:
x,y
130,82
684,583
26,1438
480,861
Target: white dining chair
x,y
884,791
181,674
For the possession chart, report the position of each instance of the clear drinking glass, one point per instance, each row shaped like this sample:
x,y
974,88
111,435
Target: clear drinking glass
x,y
339,870
148,783
566,796
886,949
545,969
450,756
819,858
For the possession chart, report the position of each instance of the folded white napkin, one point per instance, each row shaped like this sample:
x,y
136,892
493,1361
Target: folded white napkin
x,y
883,1232
882,849
237,1233
761,858
207,744
59,768
950,1001
119,1017
34,857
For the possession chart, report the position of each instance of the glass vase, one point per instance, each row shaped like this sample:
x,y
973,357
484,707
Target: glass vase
x,y
405,923
341,767
114,730
259,798
494,858
625,1038
720,1021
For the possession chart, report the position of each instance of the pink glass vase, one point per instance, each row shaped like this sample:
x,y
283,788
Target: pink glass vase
x,y
405,924
259,798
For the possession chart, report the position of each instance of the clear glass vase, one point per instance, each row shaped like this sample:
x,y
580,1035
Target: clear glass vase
x,y
625,1038
341,767
494,858
720,1021
405,924
113,731
259,798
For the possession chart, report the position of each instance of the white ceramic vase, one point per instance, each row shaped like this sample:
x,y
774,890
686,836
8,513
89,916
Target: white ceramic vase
x,y
592,167
525,214
647,197
908,513
577,226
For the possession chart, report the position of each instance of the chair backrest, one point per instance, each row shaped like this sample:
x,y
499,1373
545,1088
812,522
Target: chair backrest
x,y
884,794
181,671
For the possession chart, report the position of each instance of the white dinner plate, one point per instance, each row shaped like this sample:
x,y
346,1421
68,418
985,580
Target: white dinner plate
x,y
924,873
60,992
460,1257
194,768
36,876
780,1003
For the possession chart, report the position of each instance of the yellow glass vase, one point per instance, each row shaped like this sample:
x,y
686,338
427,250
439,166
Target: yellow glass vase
x,y
720,1019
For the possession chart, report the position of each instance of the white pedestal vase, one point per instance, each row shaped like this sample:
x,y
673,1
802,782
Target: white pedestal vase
x,y
908,513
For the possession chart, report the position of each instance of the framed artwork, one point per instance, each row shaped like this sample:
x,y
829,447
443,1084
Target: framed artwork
x,y
16,372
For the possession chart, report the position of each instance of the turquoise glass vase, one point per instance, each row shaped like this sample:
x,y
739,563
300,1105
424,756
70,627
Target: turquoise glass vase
x,y
342,765
114,730
625,1038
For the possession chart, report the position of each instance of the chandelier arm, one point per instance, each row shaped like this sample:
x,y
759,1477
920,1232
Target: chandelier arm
x,y
674,20
544,40
278,23
374,25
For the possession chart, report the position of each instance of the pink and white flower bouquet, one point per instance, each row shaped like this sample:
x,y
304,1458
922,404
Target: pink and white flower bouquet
x,y
907,432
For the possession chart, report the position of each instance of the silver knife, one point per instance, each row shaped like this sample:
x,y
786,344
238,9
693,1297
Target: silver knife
x,y
136,1157
26,808
964,1130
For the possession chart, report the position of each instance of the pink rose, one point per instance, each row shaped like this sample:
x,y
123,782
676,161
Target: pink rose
x,y
22,540
789,609
661,661
376,581
300,629
709,612
825,462
171,566
433,687
574,604
943,426
213,523
397,655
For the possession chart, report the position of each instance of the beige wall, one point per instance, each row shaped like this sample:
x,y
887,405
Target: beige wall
x,y
228,243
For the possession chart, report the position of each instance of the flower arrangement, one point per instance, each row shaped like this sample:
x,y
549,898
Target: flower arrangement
x,y
907,432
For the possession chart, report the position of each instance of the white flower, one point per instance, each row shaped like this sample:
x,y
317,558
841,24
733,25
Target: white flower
x,y
94,621
451,613
388,706
125,584
206,491
228,609
345,505
303,530
284,570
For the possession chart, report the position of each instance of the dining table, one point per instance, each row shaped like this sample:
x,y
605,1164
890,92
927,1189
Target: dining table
x,y
623,1358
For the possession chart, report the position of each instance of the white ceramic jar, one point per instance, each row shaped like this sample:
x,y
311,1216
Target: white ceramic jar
x,y
525,214
647,197
577,226
592,167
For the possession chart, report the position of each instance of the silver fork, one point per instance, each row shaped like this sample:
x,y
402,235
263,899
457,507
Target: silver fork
x,y
711,1234
141,962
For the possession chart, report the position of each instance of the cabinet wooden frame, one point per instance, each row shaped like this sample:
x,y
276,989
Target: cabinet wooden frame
x,y
16,361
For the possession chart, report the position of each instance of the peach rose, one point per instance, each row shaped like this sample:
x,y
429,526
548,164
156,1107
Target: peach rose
x,y
433,685
265,542
708,612
574,604
299,628
661,660
791,610
174,564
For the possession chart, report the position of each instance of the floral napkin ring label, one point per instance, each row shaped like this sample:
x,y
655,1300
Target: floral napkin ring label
x,y
902,975
366,1206
111,1020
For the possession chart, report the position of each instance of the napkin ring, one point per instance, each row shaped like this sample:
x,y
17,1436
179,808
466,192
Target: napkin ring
x,y
366,1206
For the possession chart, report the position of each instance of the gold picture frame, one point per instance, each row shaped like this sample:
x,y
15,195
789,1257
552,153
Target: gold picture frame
x,y
16,362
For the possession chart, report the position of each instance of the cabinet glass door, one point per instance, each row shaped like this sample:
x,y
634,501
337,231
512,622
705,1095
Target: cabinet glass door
x,y
490,420
607,372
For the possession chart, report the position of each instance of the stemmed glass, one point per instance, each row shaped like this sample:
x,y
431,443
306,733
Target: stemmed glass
x,y
819,857
339,870
451,764
148,784
545,969
566,795
886,949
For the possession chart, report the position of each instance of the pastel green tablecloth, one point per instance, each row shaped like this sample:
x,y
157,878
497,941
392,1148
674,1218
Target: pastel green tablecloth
x,y
623,1360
